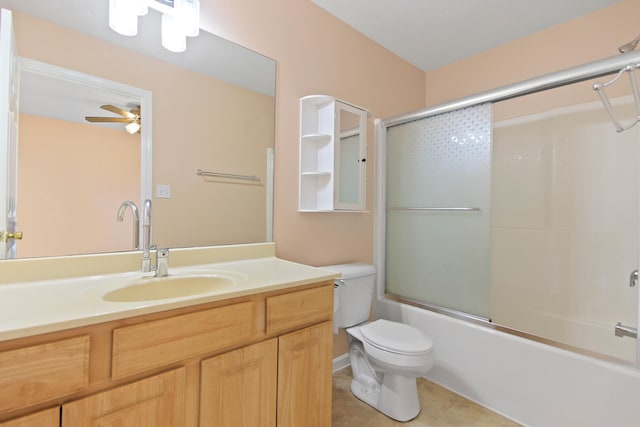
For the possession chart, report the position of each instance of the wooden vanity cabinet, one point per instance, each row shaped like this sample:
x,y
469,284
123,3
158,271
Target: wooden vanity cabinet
x,y
263,359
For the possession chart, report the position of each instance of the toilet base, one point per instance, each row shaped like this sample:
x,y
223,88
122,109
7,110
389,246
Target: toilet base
x,y
396,396
399,397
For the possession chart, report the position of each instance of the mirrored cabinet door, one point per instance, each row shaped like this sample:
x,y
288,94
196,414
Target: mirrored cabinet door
x,y
333,147
350,157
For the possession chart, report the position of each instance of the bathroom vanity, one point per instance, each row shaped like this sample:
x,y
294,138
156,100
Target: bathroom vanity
x,y
257,352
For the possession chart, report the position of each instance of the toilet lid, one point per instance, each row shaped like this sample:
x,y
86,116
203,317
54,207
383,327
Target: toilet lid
x,y
396,337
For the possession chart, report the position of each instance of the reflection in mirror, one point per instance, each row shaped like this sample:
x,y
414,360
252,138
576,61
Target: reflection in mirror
x,y
67,206
349,158
213,110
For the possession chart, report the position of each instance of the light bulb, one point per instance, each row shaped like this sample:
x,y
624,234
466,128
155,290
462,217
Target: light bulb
x,y
188,13
123,18
132,127
173,38
141,6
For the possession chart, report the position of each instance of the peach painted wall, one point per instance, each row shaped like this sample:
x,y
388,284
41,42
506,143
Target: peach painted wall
x,y
69,205
317,54
584,39
230,135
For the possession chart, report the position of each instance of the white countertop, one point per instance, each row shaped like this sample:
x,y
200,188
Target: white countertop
x,y
37,307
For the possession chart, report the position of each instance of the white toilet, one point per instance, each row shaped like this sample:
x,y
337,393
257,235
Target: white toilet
x,y
386,357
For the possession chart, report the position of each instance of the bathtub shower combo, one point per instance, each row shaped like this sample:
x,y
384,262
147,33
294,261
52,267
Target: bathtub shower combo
x,y
521,213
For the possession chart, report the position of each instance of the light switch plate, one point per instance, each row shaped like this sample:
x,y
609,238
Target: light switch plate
x,y
163,191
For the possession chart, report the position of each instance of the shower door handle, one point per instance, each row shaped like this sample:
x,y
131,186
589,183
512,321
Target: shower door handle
x,y
633,278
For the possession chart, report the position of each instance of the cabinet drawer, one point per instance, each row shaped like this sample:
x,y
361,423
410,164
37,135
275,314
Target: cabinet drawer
x,y
295,309
38,373
154,344
47,418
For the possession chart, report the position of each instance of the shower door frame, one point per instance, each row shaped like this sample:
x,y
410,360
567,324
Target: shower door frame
x,y
557,79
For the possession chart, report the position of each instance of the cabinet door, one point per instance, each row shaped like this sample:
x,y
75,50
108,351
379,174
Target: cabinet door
x,y
350,156
239,388
304,377
47,418
157,401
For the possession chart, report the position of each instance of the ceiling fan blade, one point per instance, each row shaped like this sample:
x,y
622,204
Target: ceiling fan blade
x,y
116,110
111,119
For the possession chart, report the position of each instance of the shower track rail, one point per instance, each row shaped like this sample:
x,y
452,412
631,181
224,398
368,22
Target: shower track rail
x,y
564,77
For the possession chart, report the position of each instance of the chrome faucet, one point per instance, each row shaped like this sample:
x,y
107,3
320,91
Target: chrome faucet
x,y
161,268
136,220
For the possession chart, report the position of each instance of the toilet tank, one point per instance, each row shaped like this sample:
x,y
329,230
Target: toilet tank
x,y
353,293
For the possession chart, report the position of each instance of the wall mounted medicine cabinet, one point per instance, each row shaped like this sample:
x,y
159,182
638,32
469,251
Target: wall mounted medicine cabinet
x,y
333,148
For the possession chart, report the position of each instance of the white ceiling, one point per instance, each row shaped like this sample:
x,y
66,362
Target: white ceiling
x,y
433,33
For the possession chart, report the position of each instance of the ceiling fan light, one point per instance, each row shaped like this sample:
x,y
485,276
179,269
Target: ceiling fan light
x,y
188,12
173,38
123,18
132,127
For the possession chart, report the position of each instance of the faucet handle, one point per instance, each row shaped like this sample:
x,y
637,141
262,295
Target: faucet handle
x,y
162,262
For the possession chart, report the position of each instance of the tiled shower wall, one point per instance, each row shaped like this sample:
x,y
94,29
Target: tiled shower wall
x,y
564,229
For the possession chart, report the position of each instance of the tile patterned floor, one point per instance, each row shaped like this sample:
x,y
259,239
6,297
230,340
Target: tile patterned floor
x,y
440,408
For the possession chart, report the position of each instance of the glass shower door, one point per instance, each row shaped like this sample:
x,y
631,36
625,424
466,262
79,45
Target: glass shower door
x,y
438,210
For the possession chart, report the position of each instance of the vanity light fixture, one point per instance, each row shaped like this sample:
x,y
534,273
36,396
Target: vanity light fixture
x,y
180,19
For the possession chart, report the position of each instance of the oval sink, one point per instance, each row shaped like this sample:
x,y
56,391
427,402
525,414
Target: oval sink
x,y
168,287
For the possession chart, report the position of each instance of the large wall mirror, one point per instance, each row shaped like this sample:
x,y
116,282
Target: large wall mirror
x,y
212,109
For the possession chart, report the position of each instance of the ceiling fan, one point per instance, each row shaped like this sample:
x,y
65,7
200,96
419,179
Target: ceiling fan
x,y
131,118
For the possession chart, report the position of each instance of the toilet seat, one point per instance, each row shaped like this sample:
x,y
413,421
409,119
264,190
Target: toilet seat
x,y
396,344
396,337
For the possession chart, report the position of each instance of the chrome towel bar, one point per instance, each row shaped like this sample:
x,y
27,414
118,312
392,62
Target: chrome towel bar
x,y
254,178
438,209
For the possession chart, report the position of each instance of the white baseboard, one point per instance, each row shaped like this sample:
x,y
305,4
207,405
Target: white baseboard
x,y
341,362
